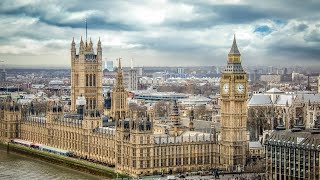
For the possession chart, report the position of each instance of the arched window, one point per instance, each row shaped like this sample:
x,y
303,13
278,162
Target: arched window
x,y
87,80
90,79
94,80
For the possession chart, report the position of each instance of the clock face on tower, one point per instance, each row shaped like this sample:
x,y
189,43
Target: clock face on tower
x,y
225,88
240,88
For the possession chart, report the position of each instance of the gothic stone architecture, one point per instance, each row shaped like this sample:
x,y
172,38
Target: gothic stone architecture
x,y
266,109
130,142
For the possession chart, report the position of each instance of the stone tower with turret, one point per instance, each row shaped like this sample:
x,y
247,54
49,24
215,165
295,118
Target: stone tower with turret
x,y
234,95
86,75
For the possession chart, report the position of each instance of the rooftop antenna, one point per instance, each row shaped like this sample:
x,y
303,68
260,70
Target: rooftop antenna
x,y
131,63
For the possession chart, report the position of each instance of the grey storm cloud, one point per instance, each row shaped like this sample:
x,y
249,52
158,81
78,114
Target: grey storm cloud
x,y
271,29
55,14
302,53
313,36
301,27
219,15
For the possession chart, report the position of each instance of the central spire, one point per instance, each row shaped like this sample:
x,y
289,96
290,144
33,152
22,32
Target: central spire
x,y
234,49
119,79
119,66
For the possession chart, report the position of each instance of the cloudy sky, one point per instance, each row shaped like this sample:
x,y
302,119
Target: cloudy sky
x,y
162,32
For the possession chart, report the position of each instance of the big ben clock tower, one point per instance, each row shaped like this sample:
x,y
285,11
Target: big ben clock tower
x,y
234,94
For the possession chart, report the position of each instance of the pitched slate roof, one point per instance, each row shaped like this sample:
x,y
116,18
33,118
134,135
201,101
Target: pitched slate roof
x,y
302,138
313,98
255,145
274,90
284,98
260,99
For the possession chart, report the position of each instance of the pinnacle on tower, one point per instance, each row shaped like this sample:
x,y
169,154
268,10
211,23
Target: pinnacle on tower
x,y
99,45
90,44
119,66
81,41
234,49
86,30
73,44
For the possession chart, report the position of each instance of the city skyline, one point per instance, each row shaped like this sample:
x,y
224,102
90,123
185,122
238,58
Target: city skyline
x,y
160,33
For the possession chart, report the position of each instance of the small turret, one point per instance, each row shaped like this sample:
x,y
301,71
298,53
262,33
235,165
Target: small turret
x,y
73,45
99,51
298,125
90,48
119,67
73,50
280,125
81,49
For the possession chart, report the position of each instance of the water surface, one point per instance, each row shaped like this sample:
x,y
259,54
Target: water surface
x,y
17,166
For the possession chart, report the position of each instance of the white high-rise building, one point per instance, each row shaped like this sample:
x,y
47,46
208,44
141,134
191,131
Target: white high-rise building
x,y
109,65
104,65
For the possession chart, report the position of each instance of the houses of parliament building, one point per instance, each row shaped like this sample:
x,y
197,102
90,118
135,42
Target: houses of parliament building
x,y
132,141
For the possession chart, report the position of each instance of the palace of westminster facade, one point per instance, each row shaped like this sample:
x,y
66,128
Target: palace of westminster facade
x,y
133,143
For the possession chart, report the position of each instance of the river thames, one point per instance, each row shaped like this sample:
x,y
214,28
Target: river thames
x,y
16,166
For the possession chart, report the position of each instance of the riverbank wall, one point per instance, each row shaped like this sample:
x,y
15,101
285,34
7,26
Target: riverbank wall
x,y
74,163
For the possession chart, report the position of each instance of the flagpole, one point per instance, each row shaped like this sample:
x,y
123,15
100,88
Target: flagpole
x,y
86,29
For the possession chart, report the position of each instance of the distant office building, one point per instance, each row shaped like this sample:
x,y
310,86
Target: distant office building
x,y
3,76
298,76
104,65
180,70
132,80
255,72
217,70
140,71
161,75
109,65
